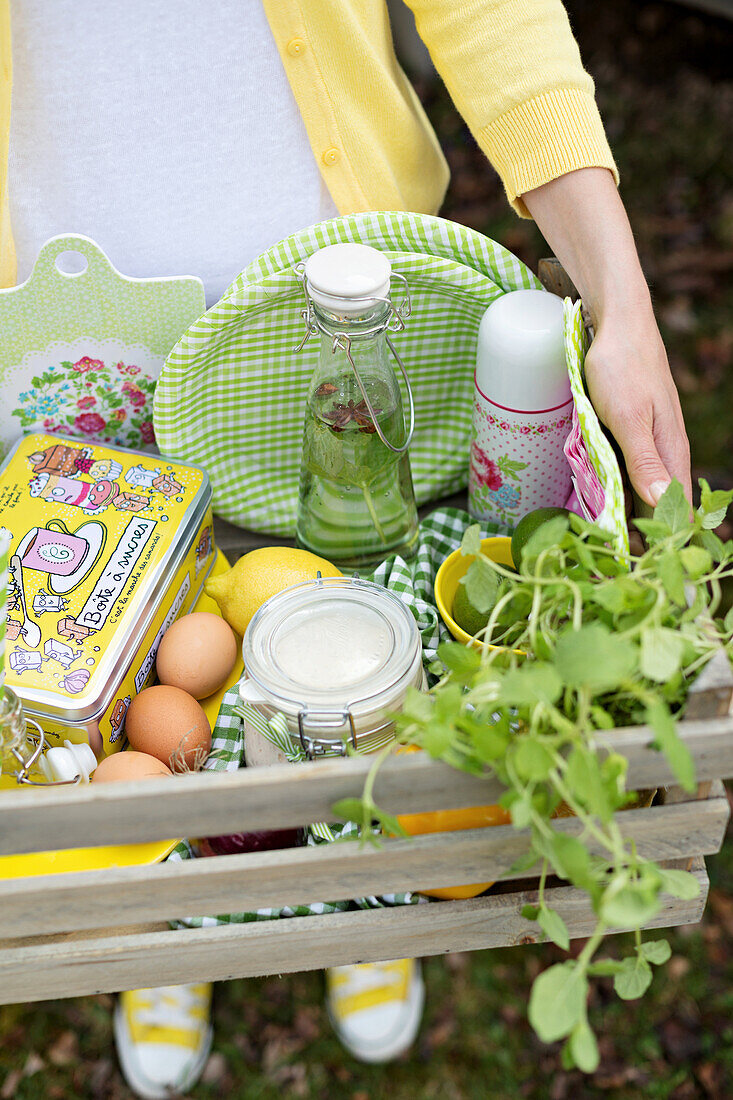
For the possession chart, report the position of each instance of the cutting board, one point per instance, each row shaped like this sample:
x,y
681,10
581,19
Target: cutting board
x,y
81,345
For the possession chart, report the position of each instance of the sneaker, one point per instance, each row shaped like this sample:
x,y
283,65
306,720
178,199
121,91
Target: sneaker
x,y
163,1038
376,1008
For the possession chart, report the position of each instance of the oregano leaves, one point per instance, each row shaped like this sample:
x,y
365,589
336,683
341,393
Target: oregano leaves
x,y
582,642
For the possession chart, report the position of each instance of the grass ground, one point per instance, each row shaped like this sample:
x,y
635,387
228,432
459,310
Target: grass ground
x,y
664,86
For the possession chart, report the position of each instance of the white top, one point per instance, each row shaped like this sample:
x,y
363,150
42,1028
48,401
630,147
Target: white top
x,y
341,277
166,130
520,352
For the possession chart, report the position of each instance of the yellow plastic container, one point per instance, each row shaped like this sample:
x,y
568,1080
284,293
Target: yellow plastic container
x,y
450,573
448,821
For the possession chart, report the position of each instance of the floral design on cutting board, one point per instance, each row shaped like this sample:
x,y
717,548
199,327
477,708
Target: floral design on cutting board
x,y
91,400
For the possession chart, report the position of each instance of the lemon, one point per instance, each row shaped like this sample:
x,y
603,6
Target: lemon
x,y
528,525
260,574
468,617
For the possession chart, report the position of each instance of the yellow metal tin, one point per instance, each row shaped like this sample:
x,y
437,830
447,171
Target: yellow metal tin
x,y
114,855
108,547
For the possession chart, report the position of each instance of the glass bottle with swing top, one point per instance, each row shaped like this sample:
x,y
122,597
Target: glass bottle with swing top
x,y
356,501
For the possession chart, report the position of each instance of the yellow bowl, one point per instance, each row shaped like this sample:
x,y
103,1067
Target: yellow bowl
x,y
447,579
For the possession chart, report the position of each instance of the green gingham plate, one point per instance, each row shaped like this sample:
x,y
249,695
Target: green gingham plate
x,y
231,395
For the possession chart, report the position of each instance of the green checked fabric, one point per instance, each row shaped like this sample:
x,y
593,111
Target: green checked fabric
x,y
440,535
231,396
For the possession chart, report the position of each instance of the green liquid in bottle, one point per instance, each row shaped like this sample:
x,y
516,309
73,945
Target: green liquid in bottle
x,y
356,504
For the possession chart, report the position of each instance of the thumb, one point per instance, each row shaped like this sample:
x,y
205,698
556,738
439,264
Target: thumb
x,y
647,472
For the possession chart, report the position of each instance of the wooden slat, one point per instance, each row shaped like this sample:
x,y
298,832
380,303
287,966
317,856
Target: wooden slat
x,y
555,278
281,796
295,876
711,696
73,968
220,802
709,740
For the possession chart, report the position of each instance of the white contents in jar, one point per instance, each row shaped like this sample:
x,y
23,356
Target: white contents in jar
x,y
344,644
334,657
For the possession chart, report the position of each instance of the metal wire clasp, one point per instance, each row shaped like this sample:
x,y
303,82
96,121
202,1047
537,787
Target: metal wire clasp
x,y
327,719
395,319
40,744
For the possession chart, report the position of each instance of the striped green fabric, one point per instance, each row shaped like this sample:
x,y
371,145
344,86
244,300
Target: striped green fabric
x,y
600,451
231,396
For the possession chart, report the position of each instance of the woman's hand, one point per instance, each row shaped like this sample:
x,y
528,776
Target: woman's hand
x,y
583,219
632,391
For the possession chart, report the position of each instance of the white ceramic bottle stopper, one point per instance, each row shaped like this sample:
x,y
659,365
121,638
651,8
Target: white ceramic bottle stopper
x,y
522,409
62,764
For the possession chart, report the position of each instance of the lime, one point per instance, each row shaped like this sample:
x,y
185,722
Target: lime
x,y
466,615
528,525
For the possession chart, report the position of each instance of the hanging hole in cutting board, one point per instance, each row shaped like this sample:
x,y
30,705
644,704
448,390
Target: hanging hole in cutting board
x,y
71,262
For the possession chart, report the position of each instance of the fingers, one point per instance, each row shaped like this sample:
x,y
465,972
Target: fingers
x,y
632,390
647,471
655,448
672,445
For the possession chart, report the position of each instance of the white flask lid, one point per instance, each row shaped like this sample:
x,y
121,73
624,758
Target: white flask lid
x,y
520,356
340,276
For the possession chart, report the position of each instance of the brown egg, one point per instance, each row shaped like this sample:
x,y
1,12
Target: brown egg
x,y
130,766
164,721
197,654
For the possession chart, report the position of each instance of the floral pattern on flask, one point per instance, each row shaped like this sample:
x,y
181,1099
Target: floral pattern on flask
x,y
490,482
93,401
516,462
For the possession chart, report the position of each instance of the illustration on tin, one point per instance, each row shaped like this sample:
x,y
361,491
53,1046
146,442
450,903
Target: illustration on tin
x,y
45,601
75,681
70,580
66,556
117,718
204,548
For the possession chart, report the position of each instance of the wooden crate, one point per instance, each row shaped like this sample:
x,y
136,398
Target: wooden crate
x,y
103,931
90,932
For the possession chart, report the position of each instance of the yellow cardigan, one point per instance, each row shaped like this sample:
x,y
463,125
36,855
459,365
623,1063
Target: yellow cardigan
x,y
513,69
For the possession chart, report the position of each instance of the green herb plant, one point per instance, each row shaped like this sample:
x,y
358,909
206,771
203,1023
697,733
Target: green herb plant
x,y
589,643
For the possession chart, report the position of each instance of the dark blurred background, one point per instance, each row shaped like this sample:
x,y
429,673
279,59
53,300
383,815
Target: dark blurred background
x,y
665,88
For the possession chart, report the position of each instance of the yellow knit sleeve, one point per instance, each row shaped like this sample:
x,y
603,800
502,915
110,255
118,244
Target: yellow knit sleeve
x,y
514,72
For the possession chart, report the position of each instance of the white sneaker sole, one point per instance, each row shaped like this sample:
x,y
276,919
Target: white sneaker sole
x,y
131,1071
380,1050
